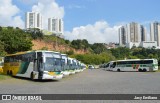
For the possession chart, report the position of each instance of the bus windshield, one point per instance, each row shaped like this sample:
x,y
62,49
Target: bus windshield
x,y
52,64
63,62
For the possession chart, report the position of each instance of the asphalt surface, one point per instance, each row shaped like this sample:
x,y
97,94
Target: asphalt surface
x,y
95,81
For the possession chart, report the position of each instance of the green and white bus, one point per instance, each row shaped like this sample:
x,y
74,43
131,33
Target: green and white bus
x,y
71,65
141,65
34,64
65,65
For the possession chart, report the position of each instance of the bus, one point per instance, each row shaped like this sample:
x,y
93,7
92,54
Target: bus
x,y
34,64
65,65
108,66
80,66
1,64
75,65
141,65
83,66
71,65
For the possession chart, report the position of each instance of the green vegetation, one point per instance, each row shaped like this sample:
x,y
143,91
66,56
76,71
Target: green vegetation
x,y
35,33
121,52
94,58
80,44
14,40
71,52
97,49
2,77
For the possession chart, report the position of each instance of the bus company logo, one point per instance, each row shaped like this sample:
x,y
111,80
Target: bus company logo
x,y
6,97
135,66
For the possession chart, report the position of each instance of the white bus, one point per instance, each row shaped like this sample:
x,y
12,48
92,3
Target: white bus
x,y
141,65
71,65
65,65
107,66
34,64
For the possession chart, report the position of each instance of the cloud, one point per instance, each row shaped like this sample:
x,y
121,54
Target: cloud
x,y
48,9
8,14
100,32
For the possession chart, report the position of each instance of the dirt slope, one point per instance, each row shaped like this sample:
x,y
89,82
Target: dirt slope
x,y
40,44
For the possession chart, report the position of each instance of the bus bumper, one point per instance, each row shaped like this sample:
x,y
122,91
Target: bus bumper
x,y
72,72
55,77
65,73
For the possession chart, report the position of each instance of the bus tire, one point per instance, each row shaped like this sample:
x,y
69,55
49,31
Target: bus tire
x,y
144,70
8,72
32,76
118,70
140,70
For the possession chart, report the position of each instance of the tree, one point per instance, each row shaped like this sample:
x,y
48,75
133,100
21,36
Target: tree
x,y
95,58
2,51
98,48
15,40
80,44
35,33
121,52
70,52
0,28
67,41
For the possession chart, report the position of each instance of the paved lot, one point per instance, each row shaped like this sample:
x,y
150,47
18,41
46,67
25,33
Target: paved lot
x,y
88,82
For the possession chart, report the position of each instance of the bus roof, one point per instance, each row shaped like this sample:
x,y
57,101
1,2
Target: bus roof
x,y
135,59
25,52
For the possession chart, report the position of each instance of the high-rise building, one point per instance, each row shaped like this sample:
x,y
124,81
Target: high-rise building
x,y
155,32
122,36
55,25
133,32
33,20
143,33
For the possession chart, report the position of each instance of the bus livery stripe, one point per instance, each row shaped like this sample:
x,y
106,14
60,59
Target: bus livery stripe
x,y
23,67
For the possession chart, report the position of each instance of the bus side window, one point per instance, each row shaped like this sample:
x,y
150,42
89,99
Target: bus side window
x,y
114,64
11,59
6,59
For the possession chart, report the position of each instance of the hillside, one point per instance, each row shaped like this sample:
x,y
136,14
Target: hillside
x,y
52,45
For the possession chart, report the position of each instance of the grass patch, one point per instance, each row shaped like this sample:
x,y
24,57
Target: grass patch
x,y
3,77
158,70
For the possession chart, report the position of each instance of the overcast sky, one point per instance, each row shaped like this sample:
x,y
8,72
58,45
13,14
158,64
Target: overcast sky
x,y
94,20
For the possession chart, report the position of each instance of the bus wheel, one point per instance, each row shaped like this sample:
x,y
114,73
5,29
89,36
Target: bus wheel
x,y
118,70
32,76
144,70
140,70
8,72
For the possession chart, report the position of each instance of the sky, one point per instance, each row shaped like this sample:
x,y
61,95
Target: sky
x,y
95,20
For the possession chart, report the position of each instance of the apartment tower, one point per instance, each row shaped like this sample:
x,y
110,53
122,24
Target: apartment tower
x,y
155,32
55,25
33,20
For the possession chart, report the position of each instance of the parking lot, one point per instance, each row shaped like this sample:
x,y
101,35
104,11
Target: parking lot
x,y
95,81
